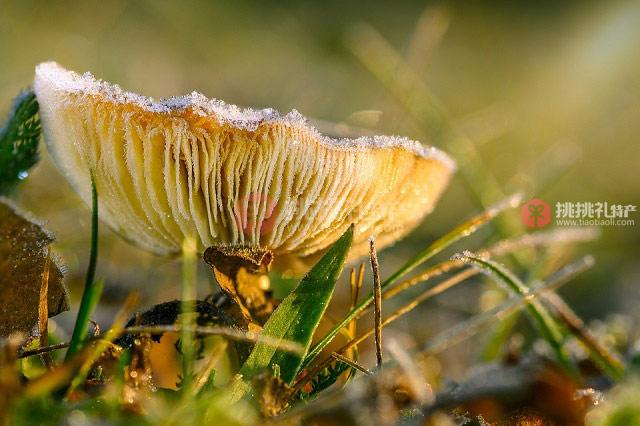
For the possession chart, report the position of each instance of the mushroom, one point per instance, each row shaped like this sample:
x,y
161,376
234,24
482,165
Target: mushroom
x,y
194,167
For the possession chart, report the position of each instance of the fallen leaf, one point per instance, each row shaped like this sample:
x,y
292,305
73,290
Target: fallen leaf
x,y
23,256
243,274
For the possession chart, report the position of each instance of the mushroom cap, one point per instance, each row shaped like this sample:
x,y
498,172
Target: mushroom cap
x,y
190,166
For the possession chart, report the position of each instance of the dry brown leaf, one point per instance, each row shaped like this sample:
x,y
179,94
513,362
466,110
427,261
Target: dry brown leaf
x,y
23,257
243,274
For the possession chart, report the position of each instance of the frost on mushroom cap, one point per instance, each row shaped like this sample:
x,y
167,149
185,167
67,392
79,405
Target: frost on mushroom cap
x,y
190,166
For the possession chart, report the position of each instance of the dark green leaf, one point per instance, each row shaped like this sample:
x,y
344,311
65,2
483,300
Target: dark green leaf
x,y
299,314
19,140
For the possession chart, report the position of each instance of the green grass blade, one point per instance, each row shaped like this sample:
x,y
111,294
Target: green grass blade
x,y
299,314
92,292
19,141
507,309
461,231
545,322
88,305
188,314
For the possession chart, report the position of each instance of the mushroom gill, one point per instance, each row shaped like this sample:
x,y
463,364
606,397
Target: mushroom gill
x,y
190,166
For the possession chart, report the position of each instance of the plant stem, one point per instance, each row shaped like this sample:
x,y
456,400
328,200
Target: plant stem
x,y
92,290
188,316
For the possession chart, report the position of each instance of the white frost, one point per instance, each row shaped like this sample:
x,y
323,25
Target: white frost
x,y
224,113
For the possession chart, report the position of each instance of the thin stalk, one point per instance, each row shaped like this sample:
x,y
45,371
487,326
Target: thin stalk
x,y
351,363
188,316
92,290
226,332
377,302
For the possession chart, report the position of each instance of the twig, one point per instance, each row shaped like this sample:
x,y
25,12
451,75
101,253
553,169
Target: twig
x,y
42,350
226,332
351,363
377,301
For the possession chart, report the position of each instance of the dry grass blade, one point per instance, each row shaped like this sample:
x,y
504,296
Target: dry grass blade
x,y
377,301
205,374
432,272
227,332
431,292
540,316
78,367
357,281
42,350
501,248
477,323
603,357
431,27
356,285
542,239
351,363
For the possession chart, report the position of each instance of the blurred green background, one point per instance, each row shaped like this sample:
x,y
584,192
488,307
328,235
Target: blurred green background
x,y
547,93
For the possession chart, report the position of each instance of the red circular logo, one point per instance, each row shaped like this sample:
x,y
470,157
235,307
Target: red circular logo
x,y
536,213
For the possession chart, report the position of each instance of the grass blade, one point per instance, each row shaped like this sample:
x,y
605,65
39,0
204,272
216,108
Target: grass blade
x,y
188,314
92,289
299,314
605,359
545,322
468,328
461,231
